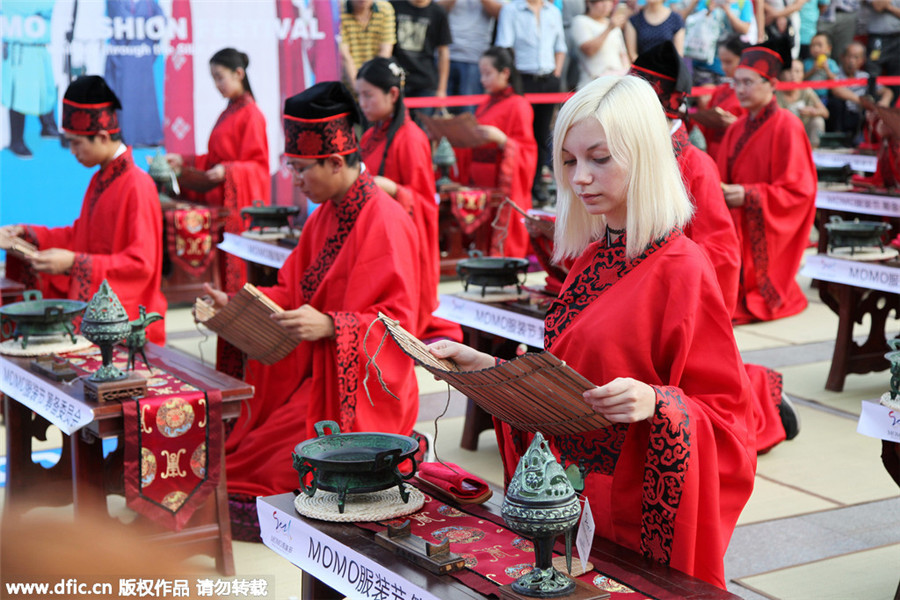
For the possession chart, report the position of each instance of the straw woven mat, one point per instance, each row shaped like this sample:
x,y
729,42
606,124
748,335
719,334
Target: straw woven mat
x,y
372,506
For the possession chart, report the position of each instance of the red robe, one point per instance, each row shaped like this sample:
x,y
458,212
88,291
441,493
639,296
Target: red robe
x,y
409,166
237,142
510,169
353,260
117,237
724,98
771,156
713,229
672,486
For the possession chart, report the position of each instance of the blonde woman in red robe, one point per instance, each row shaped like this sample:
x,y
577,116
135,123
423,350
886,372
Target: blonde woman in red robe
x,y
670,475
508,158
399,156
769,182
235,170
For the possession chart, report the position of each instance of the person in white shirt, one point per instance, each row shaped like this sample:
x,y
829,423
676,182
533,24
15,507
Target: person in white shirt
x,y
600,41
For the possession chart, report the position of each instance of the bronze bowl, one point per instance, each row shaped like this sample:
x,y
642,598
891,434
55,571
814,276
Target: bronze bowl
x,y
353,463
492,271
264,217
855,234
35,316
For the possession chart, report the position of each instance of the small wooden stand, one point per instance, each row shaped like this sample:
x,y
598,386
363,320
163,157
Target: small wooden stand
x,y
436,558
582,591
53,367
133,386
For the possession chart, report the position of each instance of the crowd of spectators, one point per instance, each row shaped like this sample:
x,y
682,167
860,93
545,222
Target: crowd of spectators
x,y
561,45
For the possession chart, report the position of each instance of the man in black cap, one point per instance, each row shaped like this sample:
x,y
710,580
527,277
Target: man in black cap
x,y
357,255
118,236
769,181
713,229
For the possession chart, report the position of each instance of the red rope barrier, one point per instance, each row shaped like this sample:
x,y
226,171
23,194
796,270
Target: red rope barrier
x,y
705,90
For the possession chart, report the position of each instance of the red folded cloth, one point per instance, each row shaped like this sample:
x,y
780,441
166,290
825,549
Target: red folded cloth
x,y
450,480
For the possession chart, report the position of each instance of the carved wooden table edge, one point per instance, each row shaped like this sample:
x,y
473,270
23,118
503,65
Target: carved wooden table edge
x,y
77,478
629,567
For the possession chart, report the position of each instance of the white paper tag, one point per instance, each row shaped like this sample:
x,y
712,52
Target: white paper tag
x,y
585,537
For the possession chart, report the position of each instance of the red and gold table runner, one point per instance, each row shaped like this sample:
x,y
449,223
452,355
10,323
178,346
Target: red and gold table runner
x,y
189,238
172,440
470,207
497,556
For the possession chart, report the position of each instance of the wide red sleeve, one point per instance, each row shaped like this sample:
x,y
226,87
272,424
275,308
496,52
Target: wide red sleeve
x,y
249,171
712,227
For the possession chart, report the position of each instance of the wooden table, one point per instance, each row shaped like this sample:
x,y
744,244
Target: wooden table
x,y
296,538
856,303
83,477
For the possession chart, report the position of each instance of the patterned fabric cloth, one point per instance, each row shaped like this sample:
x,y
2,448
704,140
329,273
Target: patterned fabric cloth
x,y
172,440
497,556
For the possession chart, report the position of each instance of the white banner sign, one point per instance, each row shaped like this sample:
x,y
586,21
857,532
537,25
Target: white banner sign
x,y
491,319
860,274
330,561
64,411
868,204
857,162
879,421
263,253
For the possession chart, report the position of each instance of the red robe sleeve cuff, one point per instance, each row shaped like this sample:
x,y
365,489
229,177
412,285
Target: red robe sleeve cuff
x,y
668,457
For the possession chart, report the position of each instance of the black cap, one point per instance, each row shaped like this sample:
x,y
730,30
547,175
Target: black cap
x,y
89,106
665,70
321,101
91,89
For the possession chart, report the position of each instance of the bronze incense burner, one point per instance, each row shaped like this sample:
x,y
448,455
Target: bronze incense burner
x,y
541,504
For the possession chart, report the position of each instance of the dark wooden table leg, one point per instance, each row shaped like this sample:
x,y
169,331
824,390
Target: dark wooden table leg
x,y
88,490
846,300
224,552
313,589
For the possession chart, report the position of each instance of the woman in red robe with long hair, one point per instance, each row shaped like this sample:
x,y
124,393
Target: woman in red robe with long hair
x,y
399,155
671,473
723,98
235,170
508,159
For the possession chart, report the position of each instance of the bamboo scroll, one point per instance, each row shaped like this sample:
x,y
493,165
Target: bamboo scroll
x,y
245,322
534,392
23,248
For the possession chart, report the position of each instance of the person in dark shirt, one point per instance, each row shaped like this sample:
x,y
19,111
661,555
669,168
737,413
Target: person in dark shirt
x,y
423,29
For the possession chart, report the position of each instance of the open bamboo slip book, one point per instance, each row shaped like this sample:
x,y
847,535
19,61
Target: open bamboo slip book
x,y
534,392
246,323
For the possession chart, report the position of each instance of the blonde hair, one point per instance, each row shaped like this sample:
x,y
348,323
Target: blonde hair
x,y
638,138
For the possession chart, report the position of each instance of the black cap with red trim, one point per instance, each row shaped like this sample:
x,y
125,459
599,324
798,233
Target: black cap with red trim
x,y
664,69
89,106
318,122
